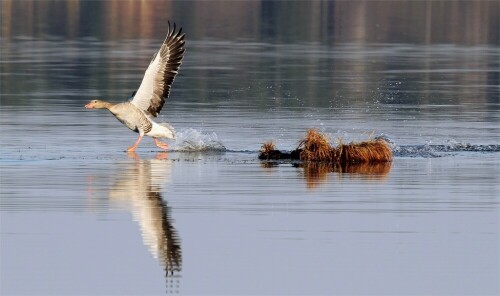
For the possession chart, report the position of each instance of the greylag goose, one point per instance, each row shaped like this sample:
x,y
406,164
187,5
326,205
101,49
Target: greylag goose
x,y
148,100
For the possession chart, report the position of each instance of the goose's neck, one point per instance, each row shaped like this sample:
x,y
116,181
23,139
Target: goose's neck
x,y
106,105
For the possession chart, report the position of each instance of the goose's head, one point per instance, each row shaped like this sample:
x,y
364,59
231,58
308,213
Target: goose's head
x,y
97,104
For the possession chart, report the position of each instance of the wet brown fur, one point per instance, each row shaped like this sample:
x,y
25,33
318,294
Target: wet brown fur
x,y
316,147
267,147
368,151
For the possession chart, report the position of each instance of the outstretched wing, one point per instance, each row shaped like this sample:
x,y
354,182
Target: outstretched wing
x,y
155,85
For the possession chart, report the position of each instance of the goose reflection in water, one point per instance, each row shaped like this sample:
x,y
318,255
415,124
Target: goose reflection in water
x,y
138,188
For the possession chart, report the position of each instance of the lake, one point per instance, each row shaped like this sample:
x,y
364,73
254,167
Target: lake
x,y
79,215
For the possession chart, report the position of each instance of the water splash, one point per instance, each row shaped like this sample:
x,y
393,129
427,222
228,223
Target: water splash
x,y
194,140
430,150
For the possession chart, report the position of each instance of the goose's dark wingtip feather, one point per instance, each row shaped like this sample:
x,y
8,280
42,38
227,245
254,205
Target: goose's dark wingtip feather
x,y
171,53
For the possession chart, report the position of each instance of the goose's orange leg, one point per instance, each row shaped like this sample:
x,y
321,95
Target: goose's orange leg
x,y
133,147
160,144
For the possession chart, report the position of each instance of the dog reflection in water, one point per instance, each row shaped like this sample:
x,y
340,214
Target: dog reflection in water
x,y
316,173
138,188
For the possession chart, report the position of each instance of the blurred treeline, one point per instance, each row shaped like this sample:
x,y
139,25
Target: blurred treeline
x,y
458,22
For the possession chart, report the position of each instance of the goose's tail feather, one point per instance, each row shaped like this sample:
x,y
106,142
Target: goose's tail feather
x,y
162,130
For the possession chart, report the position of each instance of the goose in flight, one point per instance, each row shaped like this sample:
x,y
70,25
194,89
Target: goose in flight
x,y
148,100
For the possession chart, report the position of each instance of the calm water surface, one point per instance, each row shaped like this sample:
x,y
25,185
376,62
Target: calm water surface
x,y
80,216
